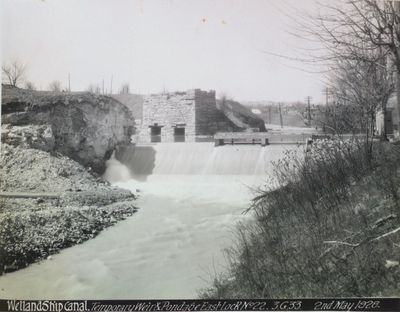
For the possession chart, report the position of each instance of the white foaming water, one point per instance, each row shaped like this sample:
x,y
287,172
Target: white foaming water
x,y
198,159
192,195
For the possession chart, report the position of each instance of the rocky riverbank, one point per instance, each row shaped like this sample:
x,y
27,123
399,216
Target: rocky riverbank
x,y
85,127
32,229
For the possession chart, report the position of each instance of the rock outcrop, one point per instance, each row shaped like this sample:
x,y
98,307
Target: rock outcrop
x,y
83,126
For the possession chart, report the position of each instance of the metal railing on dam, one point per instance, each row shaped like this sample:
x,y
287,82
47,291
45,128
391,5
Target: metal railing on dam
x,y
263,138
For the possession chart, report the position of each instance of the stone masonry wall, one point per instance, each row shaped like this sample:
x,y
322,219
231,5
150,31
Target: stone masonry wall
x,y
168,111
195,110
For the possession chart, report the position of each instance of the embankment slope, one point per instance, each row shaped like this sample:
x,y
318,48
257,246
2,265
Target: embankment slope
x,y
331,228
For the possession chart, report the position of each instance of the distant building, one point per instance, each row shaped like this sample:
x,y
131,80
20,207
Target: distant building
x,y
256,111
388,122
182,116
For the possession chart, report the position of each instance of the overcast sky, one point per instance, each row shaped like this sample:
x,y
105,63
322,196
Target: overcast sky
x,y
157,45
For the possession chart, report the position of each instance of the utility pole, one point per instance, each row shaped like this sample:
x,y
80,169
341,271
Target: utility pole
x,y
326,96
69,82
269,114
326,108
308,99
103,86
111,84
280,115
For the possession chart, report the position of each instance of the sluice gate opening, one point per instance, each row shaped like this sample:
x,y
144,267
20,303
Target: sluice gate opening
x,y
155,134
179,134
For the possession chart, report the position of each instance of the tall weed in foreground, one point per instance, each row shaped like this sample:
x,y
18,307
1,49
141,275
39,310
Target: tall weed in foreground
x,y
329,226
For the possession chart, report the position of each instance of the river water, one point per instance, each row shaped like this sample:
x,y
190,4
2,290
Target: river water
x,y
191,197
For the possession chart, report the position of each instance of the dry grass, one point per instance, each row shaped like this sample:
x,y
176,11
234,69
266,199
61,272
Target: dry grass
x,y
328,229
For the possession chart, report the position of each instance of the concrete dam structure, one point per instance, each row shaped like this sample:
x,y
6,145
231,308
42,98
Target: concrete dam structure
x,y
198,159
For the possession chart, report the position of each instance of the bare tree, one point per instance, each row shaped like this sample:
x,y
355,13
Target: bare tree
x,y
94,88
55,86
29,85
13,73
357,29
365,86
124,89
91,88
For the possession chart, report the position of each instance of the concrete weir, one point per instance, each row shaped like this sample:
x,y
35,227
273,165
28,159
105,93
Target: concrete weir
x,y
197,159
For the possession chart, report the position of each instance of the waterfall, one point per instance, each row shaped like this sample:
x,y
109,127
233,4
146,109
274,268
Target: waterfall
x,y
196,159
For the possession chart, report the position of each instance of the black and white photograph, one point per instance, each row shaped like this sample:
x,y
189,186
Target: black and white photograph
x,y
200,149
